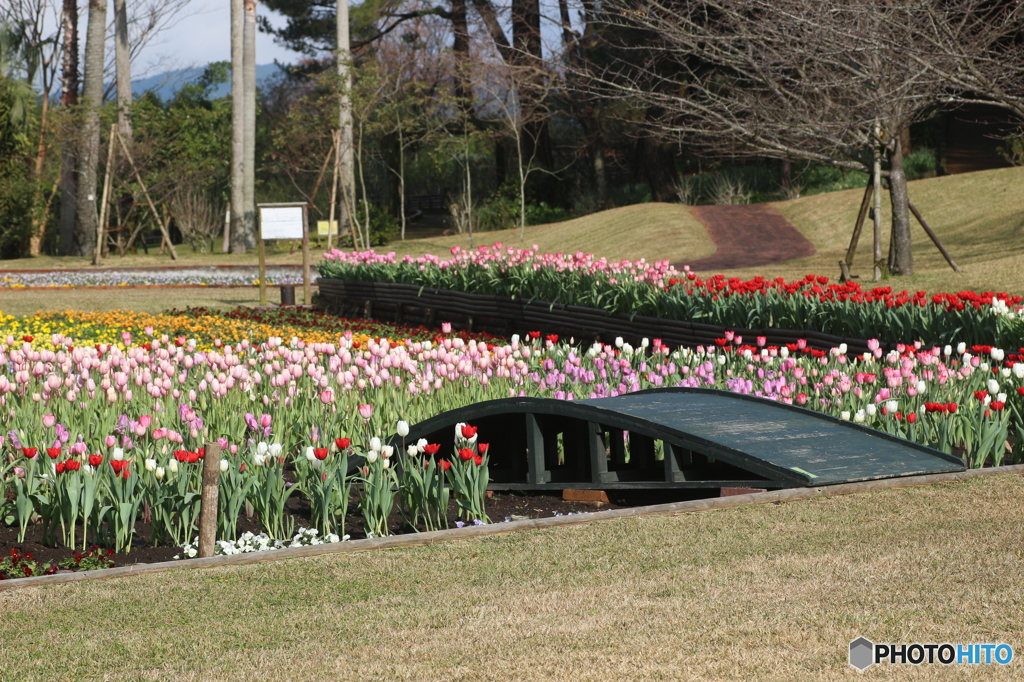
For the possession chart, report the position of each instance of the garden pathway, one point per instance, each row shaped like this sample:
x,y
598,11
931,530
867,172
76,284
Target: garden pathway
x,y
748,236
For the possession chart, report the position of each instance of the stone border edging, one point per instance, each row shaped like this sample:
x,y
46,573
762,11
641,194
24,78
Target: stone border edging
x,y
435,537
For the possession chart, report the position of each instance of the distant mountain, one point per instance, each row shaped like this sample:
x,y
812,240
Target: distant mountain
x,y
166,84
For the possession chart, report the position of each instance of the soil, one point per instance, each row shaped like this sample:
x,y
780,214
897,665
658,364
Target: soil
x,y
748,236
502,505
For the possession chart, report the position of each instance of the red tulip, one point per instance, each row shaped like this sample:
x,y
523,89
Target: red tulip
x,y
72,465
28,339
482,448
118,465
980,395
320,453
242,468
54,453
444,464
465,454
951,407
201,453
478,460
997,405
343,443
431,448
192,457
468,431
912,417
95,460
30,452
60,467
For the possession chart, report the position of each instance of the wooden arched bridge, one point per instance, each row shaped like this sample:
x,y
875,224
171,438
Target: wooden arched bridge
x,y
677,438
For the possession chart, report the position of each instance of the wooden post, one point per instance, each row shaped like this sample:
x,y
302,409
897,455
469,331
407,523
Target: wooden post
x,y
336,150
261,249
305,255
934,237
208,501
101,232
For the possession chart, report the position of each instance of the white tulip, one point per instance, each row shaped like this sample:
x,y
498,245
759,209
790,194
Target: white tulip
x,y
261,449
948,350
403,428
843,348
309,454
159,473
618,342
627,349
150,464
387,451
275,449
117,453
259,460
1018,370
1001,397
1005,372
172,466
421,444
921,387
644,343
993,386
413,450
375,443
845,415
870,409
224,464
783,352
371,456
960,348
859,417
997,354
387,463
892,406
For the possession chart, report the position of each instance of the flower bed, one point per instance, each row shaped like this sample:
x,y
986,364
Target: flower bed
x,y
133,277
658,291
203,328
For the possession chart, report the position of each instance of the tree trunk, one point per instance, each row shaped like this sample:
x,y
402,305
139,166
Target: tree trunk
x,y
68,98
237,234
346,149
901,261
526,39
122,58
92,93
249,111
658,162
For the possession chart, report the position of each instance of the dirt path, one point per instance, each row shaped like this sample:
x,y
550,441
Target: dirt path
x,y
748,236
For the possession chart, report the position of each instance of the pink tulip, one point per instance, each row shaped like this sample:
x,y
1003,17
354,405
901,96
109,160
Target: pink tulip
x,y
49,421
265,420
145,420
159,433
366,411
110,441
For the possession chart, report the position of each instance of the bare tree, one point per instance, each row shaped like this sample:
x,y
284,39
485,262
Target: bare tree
x,y
249,120
824,81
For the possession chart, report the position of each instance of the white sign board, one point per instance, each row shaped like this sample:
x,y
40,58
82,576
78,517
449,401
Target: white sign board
x,y
281,222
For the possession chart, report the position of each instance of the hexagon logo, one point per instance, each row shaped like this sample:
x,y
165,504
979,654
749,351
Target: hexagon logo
x,y
862,653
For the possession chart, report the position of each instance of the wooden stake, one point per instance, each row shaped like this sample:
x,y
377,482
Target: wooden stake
x,y
208,501
934,237
152,206
101,226
855,238
876,183
305,255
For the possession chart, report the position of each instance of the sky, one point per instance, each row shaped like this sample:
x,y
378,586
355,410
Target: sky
x,y
201,35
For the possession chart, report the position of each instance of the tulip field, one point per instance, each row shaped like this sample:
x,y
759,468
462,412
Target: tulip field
x,y
105,415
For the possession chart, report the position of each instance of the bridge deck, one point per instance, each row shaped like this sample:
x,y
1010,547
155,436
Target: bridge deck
x,y
678,438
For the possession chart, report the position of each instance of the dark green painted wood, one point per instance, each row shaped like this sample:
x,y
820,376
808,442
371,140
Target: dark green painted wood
x,y
710,436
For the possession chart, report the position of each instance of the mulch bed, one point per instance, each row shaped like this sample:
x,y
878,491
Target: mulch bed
x,y
503,504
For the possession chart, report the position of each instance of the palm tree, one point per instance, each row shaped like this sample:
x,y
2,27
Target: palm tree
x,y
92,93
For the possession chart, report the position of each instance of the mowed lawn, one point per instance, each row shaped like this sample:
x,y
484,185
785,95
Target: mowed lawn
x,y
770,592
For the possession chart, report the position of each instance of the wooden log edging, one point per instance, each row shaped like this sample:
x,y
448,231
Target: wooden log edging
x,y
472,532
499,314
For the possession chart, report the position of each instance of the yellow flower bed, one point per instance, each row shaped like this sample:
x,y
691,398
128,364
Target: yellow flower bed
x,y
89,328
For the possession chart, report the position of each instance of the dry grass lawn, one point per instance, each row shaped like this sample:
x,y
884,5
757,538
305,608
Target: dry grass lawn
x,y
27,302
772,592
